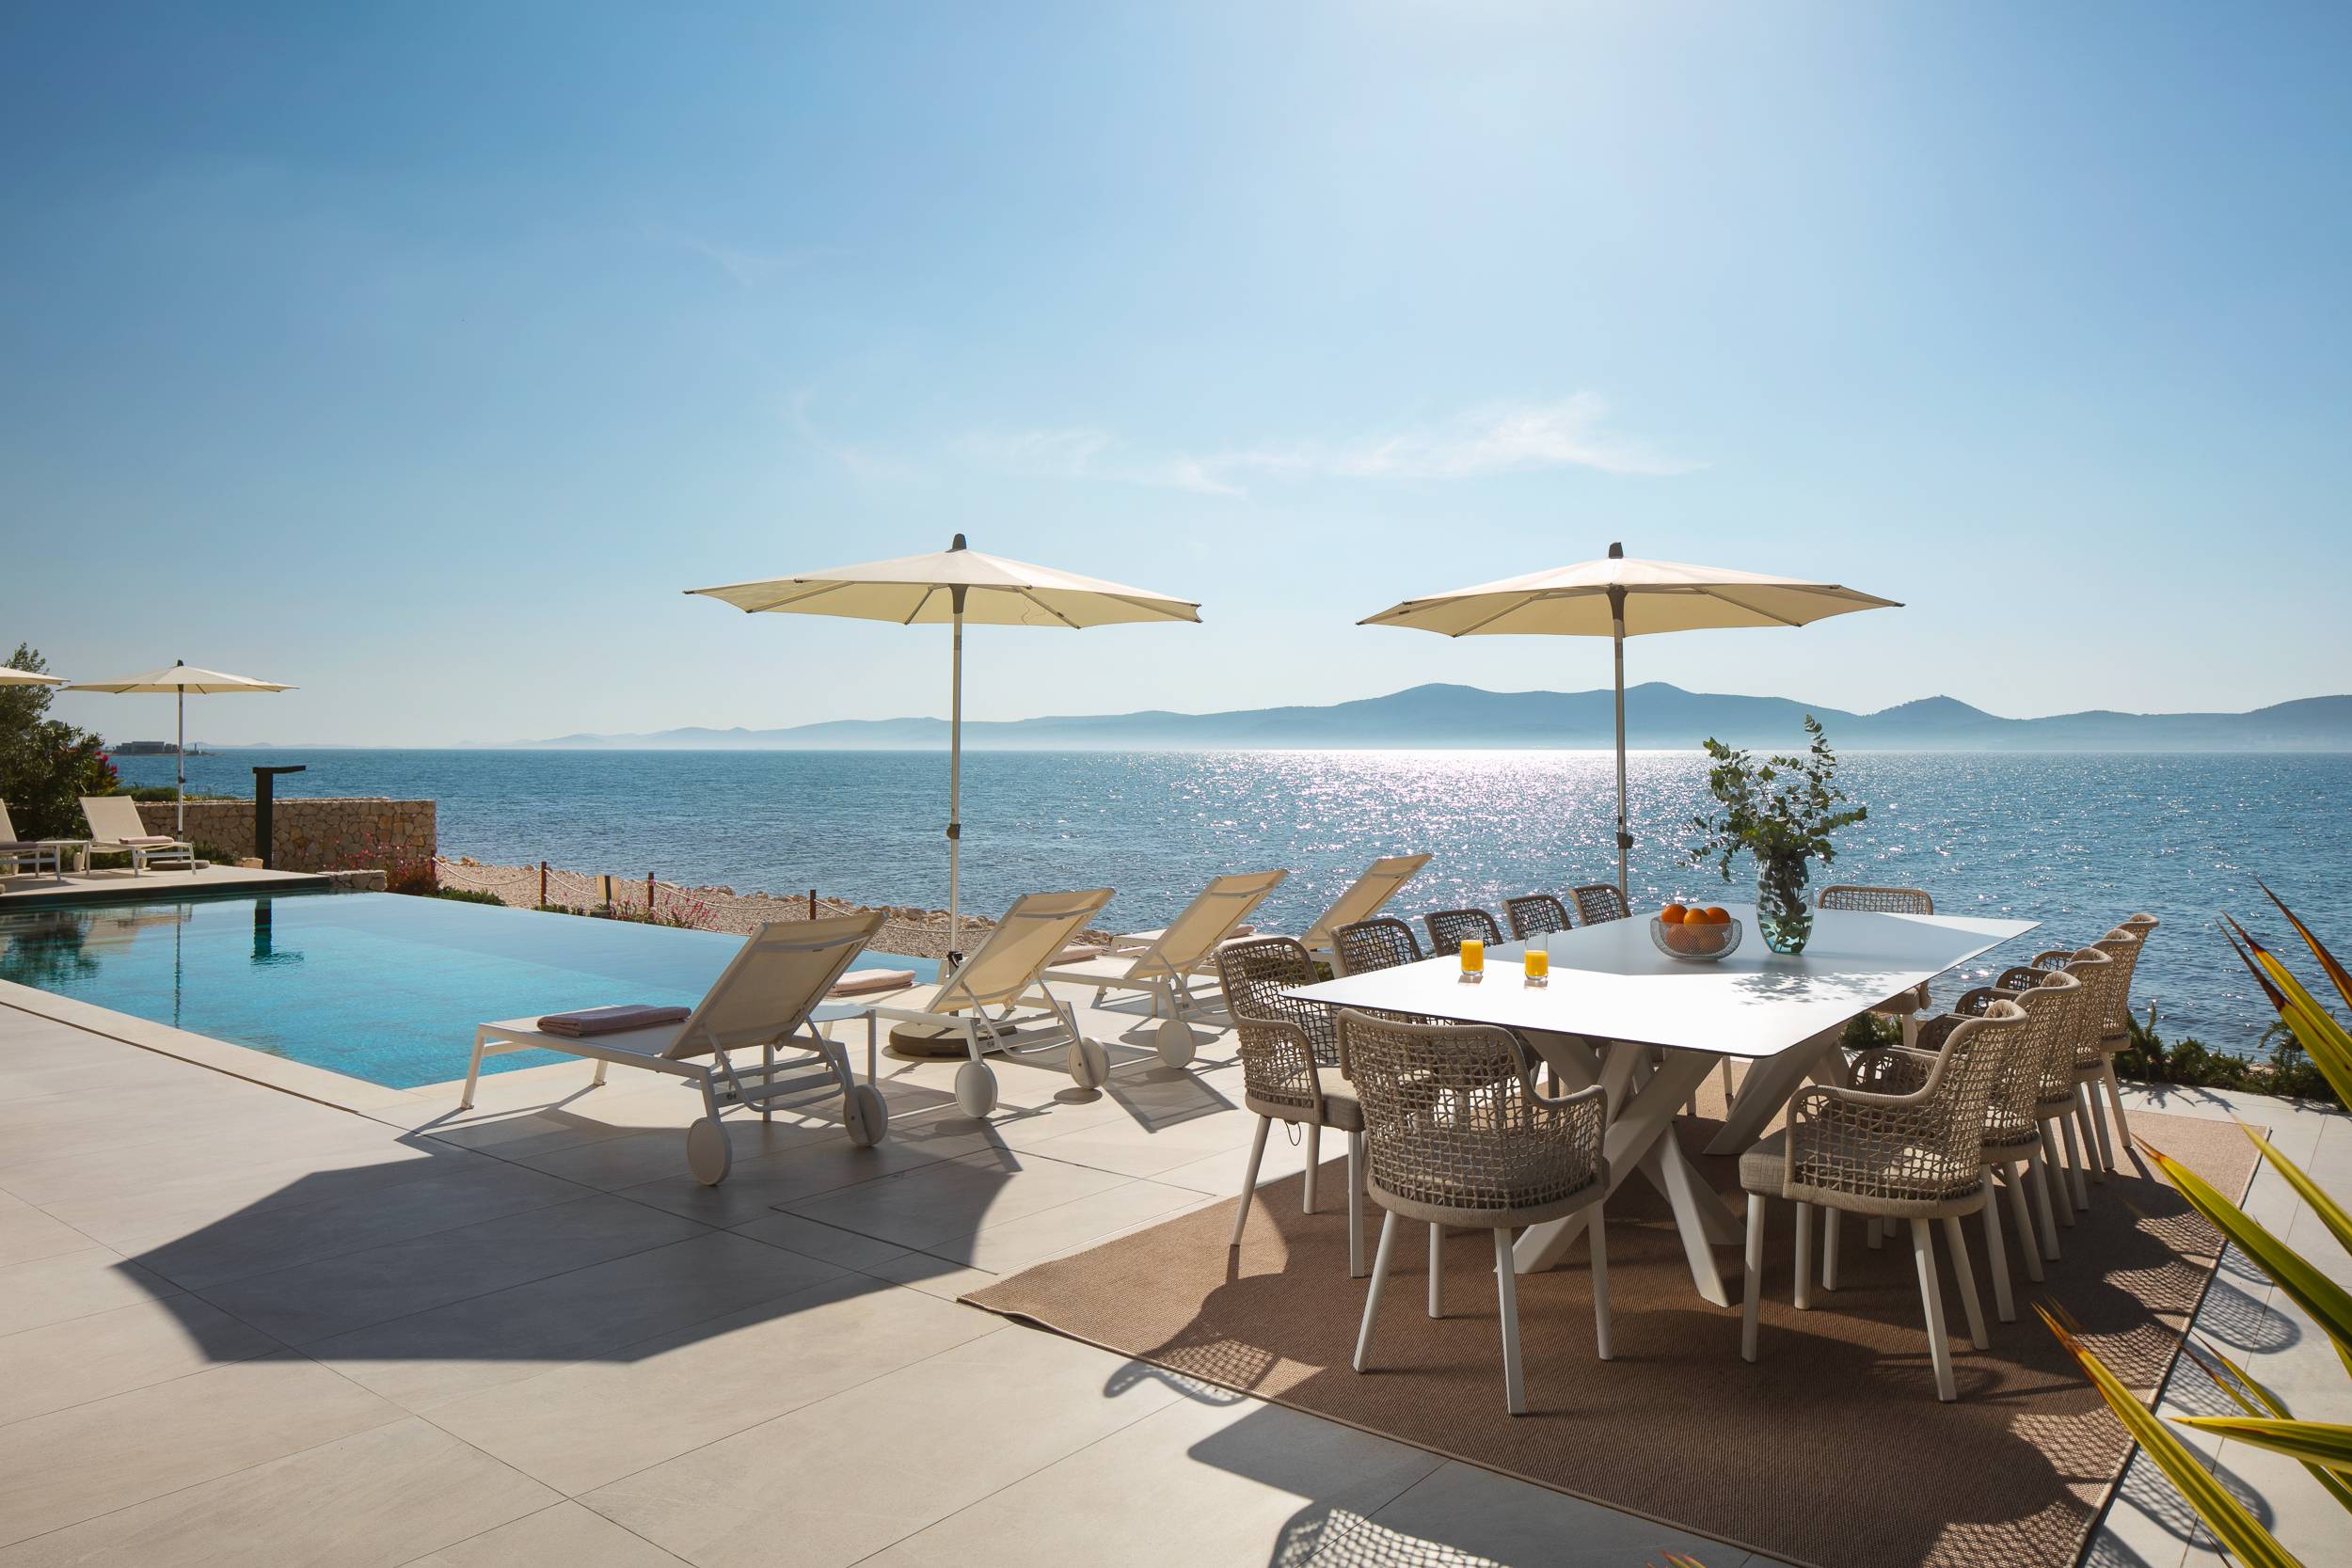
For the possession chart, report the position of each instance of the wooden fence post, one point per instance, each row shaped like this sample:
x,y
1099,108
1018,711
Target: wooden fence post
x,y
648,895
543,884
812,903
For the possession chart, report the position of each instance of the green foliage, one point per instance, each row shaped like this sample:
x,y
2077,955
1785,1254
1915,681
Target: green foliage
x,y
1782,811
46,766
2286,1071
469,896
165,794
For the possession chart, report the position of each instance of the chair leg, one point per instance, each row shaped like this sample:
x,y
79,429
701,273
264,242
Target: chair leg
x,y
1804,1256
2094,1115
1507,1288
1597,1232
1832,1224
1314,1164
1971,1305
1372,1297
1997,1249
1437,1271
1753,1273
1249,1183
2038,1168
2028,1245
1931,1303
2115,1103
1355,1206
2081,1194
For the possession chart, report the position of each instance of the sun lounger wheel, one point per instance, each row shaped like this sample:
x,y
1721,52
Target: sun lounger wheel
x,y
866,1116
1174,1042
1089,1063
976,1088
707,1154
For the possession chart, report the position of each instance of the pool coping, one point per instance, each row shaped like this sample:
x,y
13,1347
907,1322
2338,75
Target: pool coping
x,y
323,1086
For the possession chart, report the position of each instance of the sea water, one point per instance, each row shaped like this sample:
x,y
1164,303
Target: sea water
x,y
2075,841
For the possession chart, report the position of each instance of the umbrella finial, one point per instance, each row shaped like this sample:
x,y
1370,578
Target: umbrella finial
x,y
959,543
1616,552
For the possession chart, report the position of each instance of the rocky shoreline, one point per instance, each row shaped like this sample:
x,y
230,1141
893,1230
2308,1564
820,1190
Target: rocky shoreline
x,y
907,928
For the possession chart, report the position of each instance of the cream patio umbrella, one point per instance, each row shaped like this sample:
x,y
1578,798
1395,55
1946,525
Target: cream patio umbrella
x,y
180,680
25,677
954,586
1618,599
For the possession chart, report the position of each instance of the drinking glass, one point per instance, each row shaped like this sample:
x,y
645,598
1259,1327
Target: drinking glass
x,y
1474,958
1538,964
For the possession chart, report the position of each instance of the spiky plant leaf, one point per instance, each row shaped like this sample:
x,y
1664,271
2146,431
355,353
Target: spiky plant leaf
x,y
2326,1303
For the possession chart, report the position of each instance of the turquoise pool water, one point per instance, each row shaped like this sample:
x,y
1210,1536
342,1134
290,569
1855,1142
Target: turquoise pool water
x,y
380,986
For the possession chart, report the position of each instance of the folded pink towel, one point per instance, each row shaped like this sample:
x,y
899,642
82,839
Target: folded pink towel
x,y
145,839
609,1020
1080,954
865,982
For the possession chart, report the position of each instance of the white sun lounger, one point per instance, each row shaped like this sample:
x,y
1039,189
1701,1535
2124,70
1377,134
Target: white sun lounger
x,y
764,999
1366,898
1161,965
114,829
1006,972
16,853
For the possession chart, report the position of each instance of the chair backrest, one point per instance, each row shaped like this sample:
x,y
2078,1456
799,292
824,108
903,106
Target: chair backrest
x,y
8,831
1278,1037
1534,914
2122,947
1597,903
2097,972
1031,936
113,817
1366,898
1381,943
776,980
2041,1059
1879,900
1452,1126
1449,928
1209,919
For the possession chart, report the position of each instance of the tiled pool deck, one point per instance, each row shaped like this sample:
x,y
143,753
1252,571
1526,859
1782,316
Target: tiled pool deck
x,y
282,1316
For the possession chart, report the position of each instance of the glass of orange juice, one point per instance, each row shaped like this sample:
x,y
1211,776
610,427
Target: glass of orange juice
x,y
1474,958
1538,964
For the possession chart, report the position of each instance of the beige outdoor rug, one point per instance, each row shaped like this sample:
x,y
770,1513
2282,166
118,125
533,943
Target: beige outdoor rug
x,y
1832,1450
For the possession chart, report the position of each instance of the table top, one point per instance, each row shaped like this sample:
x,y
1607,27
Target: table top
x,y
1610,982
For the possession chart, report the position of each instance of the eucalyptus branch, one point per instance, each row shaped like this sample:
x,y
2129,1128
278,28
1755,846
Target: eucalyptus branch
x,y
1784,809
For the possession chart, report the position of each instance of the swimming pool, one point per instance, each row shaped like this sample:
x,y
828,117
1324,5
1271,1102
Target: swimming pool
x,y
380,986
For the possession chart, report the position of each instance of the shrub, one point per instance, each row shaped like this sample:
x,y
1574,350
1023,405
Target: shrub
x,y
46,766
469,896
2286,1069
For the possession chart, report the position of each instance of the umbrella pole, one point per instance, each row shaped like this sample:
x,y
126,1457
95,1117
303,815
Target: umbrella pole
x,y
955,782
179,769
1616,637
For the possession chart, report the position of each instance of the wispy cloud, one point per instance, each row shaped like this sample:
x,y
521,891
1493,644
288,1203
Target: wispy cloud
x,y
1497,438
748,268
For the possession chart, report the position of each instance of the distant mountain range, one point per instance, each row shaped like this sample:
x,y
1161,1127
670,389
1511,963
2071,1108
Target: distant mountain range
x,y
1657,716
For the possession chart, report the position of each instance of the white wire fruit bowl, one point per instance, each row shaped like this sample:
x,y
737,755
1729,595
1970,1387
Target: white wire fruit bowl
x,y
1695,944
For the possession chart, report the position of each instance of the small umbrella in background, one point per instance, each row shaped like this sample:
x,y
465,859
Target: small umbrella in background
x,y
1618,599
180,680
951,587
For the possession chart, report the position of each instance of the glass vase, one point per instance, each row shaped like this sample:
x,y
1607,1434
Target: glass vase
x,y
1782,915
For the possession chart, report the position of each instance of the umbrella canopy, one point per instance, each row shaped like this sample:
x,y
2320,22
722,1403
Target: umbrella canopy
x,y
1617,599
25,677
180,680
953,587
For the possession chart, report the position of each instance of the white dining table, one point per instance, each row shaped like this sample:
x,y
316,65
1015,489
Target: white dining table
x,y
1612,1002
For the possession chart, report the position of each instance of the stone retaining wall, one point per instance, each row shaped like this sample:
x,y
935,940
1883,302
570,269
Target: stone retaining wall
x,y
309,834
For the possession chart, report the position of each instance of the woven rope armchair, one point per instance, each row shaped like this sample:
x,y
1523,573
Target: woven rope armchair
x,y
1449,928
1293,1070
1876,900
1916,1156
1536,914
2097,971
2122,947
2053,1001
1382,943
1457,1133
1599,902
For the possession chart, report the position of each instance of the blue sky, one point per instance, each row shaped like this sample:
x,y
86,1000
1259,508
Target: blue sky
x,y
419,355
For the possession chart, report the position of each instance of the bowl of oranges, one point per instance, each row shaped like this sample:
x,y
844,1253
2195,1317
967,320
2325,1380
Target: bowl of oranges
x,y
1694,934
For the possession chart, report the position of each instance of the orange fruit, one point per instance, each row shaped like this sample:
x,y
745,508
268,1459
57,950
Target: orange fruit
x,y
1673,914
1681,939
1715,914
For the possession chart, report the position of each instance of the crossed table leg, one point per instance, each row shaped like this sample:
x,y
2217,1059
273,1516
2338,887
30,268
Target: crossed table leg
x,y
1641,1138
